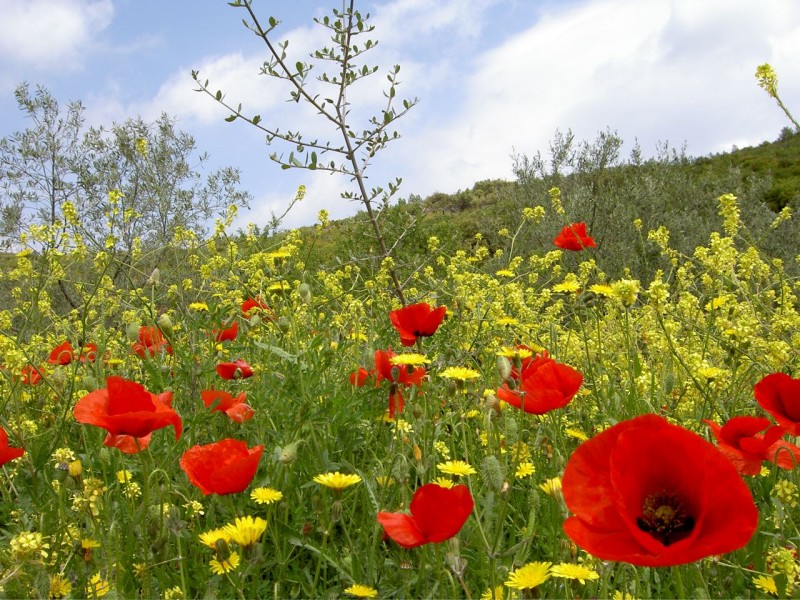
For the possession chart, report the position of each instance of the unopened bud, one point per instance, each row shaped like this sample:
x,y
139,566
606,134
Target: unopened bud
x,y
503,367
287,454
165,324
492,472
223,550
336,511
304,291
155,277
284,324
132,331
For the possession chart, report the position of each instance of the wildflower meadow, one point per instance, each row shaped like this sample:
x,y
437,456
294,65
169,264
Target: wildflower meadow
x,y
207,416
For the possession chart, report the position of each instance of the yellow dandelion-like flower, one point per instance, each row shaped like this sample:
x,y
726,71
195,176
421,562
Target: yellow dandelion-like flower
x,y
358,336
97,587
602,289
245,531
622,596
226,565
764,471
265,495
361,591
337,480
710,372
459,468
459,373
410,358
199,306
493,594
279,286
576,433
506,321
210,538
529,576
89,543
524,470
473,414
766,584
444,482
567,287
505,273
573,571
515,352
384,480
60,586
551,487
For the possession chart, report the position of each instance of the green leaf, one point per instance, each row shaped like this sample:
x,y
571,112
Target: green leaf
x,y
230,118
299,66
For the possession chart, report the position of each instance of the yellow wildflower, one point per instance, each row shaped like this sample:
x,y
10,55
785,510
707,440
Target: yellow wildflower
x,y
337,480
459,468
265,495
529,576
361,591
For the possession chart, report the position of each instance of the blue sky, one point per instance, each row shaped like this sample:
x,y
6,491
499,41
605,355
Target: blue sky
x,y
494,77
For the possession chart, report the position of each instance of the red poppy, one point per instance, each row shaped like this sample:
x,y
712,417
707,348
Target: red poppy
x,y
227,333
30,375
653,494
740,441
359,377
61,354
546,385
238,369
224,467
151,341
256,305
437,514
235,408
127,444
125,407
7,452
416,320
779,395
574,237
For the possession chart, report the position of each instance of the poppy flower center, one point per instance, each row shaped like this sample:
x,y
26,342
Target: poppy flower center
x,y
665,518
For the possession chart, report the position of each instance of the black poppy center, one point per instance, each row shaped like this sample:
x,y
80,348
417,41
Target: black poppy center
x,y
665,518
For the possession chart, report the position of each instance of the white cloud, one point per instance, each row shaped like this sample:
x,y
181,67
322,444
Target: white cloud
x,y
51,34
661,70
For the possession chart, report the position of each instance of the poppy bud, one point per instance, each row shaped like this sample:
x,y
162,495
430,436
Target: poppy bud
x,y
254,320
304,291
503,367
165,324
284,324
132,331
492,472
288,454
155,277
492,403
